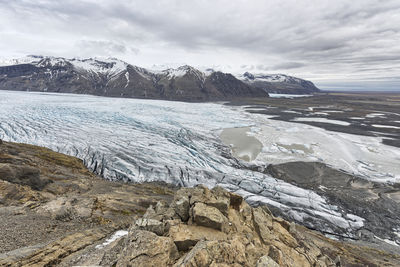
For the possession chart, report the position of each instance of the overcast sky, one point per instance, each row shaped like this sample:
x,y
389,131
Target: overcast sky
x,y
336,44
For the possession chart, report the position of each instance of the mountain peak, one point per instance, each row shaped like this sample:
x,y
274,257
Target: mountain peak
x,y
113,77
279,83
182,71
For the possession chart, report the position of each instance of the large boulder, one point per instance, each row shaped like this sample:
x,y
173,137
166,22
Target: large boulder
x,y
266,261
263,224
208,216
151,225
217,197
181,207
186,236
216,253
144,248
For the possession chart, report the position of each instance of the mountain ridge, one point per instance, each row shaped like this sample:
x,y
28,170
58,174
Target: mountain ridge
x,y
116,78
279,83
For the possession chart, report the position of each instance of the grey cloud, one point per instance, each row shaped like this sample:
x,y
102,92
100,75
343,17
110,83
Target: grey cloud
x,y
104,47
309,38
288,65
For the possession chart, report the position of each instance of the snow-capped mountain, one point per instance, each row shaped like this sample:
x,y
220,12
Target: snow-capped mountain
x,y
279,83
113,77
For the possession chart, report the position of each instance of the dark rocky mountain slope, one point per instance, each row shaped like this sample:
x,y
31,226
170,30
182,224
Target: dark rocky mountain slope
x,y
115,78
279,83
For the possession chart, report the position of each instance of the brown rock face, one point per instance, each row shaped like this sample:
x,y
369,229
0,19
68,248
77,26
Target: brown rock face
x,y
23,175
145,248
244,237
207,216
52,209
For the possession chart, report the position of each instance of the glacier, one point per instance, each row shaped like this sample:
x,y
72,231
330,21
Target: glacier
x,y
135,140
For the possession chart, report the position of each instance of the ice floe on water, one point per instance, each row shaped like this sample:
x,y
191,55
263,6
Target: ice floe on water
x,y
385,126
357,118
324,120
287,95
375,115
292,111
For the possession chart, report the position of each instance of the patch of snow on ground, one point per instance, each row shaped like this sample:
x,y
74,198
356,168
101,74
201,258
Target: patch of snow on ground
x,y
385,126
324,120
388,241
286,95
334,111
115,236
292,111
256,109
375,115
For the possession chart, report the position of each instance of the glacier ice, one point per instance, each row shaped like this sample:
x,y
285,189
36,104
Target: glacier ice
x,y
149,140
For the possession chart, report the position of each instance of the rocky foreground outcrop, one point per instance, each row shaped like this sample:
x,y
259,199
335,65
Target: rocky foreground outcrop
x,y
54,212
203,227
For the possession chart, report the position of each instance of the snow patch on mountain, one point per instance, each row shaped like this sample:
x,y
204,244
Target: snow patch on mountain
x,y
110,66
23,60
107,66
272,78
181,71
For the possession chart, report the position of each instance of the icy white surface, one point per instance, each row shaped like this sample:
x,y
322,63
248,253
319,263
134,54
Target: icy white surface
x,y
103,65
149,140
115,236
287,95
183,70
375,115
385,126
23,60
324,120
364,156
272,78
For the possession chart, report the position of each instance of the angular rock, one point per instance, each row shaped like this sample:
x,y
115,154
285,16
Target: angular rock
x,y
266,261
183,237
186,236
284,235
51,254
216,253
144,248
151,225
208,216
276,255
263,224
182,207
235,201
217,197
